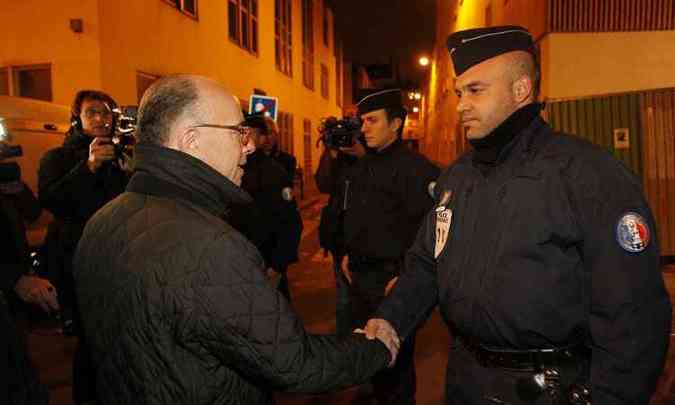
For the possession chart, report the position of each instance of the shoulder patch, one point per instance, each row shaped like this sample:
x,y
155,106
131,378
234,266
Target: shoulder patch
x,y
632,232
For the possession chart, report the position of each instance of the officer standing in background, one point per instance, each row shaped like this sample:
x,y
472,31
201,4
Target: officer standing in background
x,y
541,251
386,198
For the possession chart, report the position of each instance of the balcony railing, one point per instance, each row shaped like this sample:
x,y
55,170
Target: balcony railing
x,y
610,15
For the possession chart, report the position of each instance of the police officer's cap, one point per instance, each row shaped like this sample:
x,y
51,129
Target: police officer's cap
x,y
372,99
471,47
255,121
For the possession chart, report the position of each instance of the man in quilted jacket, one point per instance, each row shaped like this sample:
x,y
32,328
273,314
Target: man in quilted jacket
x,y
174,301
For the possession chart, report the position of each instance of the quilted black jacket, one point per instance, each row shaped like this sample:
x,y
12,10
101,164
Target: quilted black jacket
x,y
177,309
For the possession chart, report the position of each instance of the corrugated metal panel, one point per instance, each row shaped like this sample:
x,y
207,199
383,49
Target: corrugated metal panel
x,y
595,119
658,121
610,15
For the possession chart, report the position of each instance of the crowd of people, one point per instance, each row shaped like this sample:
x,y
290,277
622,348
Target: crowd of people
x,y
538,248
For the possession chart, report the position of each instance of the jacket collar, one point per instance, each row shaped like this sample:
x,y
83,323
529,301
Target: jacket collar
x,y
76,139
391,149
165,172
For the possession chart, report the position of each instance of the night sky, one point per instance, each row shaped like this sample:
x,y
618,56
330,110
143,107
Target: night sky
x,y
375,31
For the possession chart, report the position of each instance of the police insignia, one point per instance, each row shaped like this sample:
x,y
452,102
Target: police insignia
x,y
632,232
443,221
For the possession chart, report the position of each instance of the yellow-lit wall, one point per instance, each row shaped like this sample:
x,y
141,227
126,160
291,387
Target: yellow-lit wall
x,y
151,36
155,38
581,64
38,31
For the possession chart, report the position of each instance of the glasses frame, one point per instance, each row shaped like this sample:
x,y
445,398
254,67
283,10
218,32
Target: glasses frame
x,y
243,131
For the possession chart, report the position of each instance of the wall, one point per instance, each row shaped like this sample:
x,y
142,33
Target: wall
x,y
37,32
603,63
181,44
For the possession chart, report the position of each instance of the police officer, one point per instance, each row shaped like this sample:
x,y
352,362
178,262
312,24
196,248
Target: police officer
x,y
386,198
275,225
541,251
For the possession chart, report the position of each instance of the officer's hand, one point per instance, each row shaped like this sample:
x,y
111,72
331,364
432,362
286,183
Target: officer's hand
x,y
38,291
101,149
357,149
383,331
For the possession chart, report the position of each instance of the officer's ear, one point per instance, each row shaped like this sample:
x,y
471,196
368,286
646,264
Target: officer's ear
x,y
395,124
522,88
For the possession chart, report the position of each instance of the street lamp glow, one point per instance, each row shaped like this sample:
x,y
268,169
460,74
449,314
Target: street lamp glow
x,y
424,61
416,109
418,96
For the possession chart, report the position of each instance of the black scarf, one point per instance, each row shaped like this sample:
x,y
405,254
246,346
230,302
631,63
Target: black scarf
x,y
487,150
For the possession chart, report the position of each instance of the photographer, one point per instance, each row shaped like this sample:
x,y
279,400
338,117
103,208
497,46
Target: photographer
x,y
74,181
344,144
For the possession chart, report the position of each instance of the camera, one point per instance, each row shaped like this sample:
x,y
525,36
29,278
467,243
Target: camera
x,y
8,150
339,133
125,126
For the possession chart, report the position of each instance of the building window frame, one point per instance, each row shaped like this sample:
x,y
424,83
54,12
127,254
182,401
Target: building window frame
x,y
283,36
326,25
242,21
308,43
13,84
325,82
180,6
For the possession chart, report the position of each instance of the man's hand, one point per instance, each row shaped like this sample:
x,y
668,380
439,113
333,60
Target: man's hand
x,y
38,291
383,331
101,150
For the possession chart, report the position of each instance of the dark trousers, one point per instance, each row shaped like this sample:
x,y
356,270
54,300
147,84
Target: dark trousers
x,y
469,382
396,385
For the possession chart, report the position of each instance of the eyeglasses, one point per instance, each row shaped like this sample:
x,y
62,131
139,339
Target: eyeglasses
x,y
92,112
243,131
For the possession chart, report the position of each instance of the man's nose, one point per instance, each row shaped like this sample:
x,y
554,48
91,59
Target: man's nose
x,y
462,105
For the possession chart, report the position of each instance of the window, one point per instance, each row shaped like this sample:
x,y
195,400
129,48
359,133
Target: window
x,y
324,81
307,148
188,7
242,17
32,81
307,44
283,44
338,73
143,81
285,123
325,25
4,82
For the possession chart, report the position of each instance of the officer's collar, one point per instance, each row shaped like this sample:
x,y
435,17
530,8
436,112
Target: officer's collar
x,y
488,150
390,148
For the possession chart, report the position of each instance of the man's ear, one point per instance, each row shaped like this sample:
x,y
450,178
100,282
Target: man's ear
x,y
395,124
187,141
522,89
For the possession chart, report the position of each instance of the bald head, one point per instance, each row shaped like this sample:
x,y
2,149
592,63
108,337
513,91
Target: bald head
x,y
185,99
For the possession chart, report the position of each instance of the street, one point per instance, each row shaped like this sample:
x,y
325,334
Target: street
x,y
312,289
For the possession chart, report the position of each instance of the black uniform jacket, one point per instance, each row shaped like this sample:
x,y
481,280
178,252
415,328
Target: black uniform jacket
x,y
387,196
176,306
533,260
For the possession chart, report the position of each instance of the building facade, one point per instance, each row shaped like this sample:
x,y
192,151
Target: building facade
x,y
607,75
280,48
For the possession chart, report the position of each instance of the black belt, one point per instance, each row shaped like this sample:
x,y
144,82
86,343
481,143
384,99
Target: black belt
x,y
525,360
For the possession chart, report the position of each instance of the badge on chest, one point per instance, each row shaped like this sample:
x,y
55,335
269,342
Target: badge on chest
x,y
443,221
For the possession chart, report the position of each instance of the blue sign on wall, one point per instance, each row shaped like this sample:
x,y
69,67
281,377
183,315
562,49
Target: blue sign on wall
x,y
267,106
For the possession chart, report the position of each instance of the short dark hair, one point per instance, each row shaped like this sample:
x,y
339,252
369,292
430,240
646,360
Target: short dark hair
x,y
162,104
397,112
76,107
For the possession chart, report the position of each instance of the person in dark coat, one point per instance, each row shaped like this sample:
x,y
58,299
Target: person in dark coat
x,y
541,251
331,179
175,302
385,198
74,181
278,225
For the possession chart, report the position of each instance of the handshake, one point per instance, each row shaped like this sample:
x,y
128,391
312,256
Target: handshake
x,y
383,331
